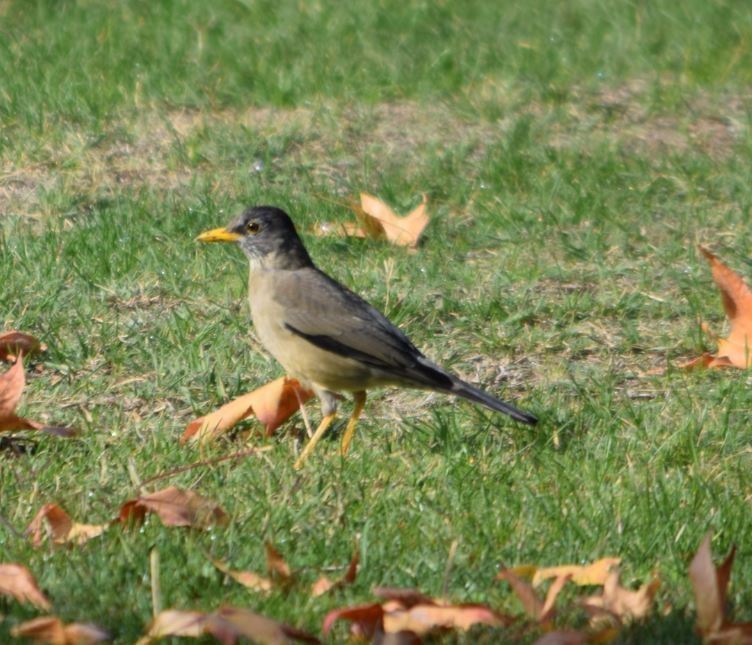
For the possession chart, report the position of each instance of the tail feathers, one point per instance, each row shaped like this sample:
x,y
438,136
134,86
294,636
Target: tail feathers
x,y
467,391
432,376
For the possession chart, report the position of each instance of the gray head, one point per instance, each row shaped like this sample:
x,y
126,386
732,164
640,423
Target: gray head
x,y
267,236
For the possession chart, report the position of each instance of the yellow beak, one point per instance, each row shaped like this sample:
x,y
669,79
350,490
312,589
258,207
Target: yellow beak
x,y
218,235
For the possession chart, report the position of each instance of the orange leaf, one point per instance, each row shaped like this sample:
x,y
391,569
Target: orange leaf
x,y
377,220
52,630
366,619
736,296
175,507
12,384
408,610
15,343
530,601
278,569
534,607
62,528
595,573
421,619
226,625
324,584
18,582
272,404
248,579
710,584
621,603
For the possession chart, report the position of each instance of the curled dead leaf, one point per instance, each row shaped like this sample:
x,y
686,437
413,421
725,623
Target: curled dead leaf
x,y
272,404
619,603
15,343
18,582
710,585
52,630
736,296
12,384
410,612
53,520
175,507
226,625
376,220
248,579
595,573
324,585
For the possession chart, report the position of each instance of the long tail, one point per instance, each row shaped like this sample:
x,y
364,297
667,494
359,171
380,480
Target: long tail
x,y
467,391
428,374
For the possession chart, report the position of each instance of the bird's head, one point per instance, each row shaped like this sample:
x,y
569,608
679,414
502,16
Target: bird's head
x,y
267,236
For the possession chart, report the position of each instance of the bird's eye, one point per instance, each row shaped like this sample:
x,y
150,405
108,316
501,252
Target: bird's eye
x,y
253,227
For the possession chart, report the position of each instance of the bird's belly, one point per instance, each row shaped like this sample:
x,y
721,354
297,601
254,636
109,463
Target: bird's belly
x,y
309,363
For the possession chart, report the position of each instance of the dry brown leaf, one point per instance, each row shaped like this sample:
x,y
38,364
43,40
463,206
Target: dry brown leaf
x,y
736,350
248,579
51,630
408,611
15,343
366,619
12,384
542,611
53,520
422,619
710,584
622,603
226,625
272,404
324,584
175,507
377,220
532,605
279,570
19,583
594,573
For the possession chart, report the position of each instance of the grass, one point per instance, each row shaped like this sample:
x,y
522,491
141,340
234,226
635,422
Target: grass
x,y
574,154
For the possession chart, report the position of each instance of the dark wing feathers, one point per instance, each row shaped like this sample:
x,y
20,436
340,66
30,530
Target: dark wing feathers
x,y
334,318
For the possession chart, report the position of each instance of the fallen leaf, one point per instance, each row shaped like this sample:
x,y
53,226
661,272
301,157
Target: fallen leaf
x,y
736,296
52,519
542,611
324,585
622,603
532,605
365,619
710,584
175,507
272,404
15,343
377,221
408,611
18,582
12,384
422,619
226,625
279,570
248,579
52,630
594,573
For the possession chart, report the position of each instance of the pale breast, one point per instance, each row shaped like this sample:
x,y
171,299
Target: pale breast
x,y
300,358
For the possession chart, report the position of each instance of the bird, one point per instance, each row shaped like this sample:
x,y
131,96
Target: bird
x,y
325,335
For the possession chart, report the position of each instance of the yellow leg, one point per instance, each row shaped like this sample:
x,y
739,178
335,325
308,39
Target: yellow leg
x,y
325,423
359,400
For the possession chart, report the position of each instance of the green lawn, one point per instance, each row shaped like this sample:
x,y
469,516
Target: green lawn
x,y
574,154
